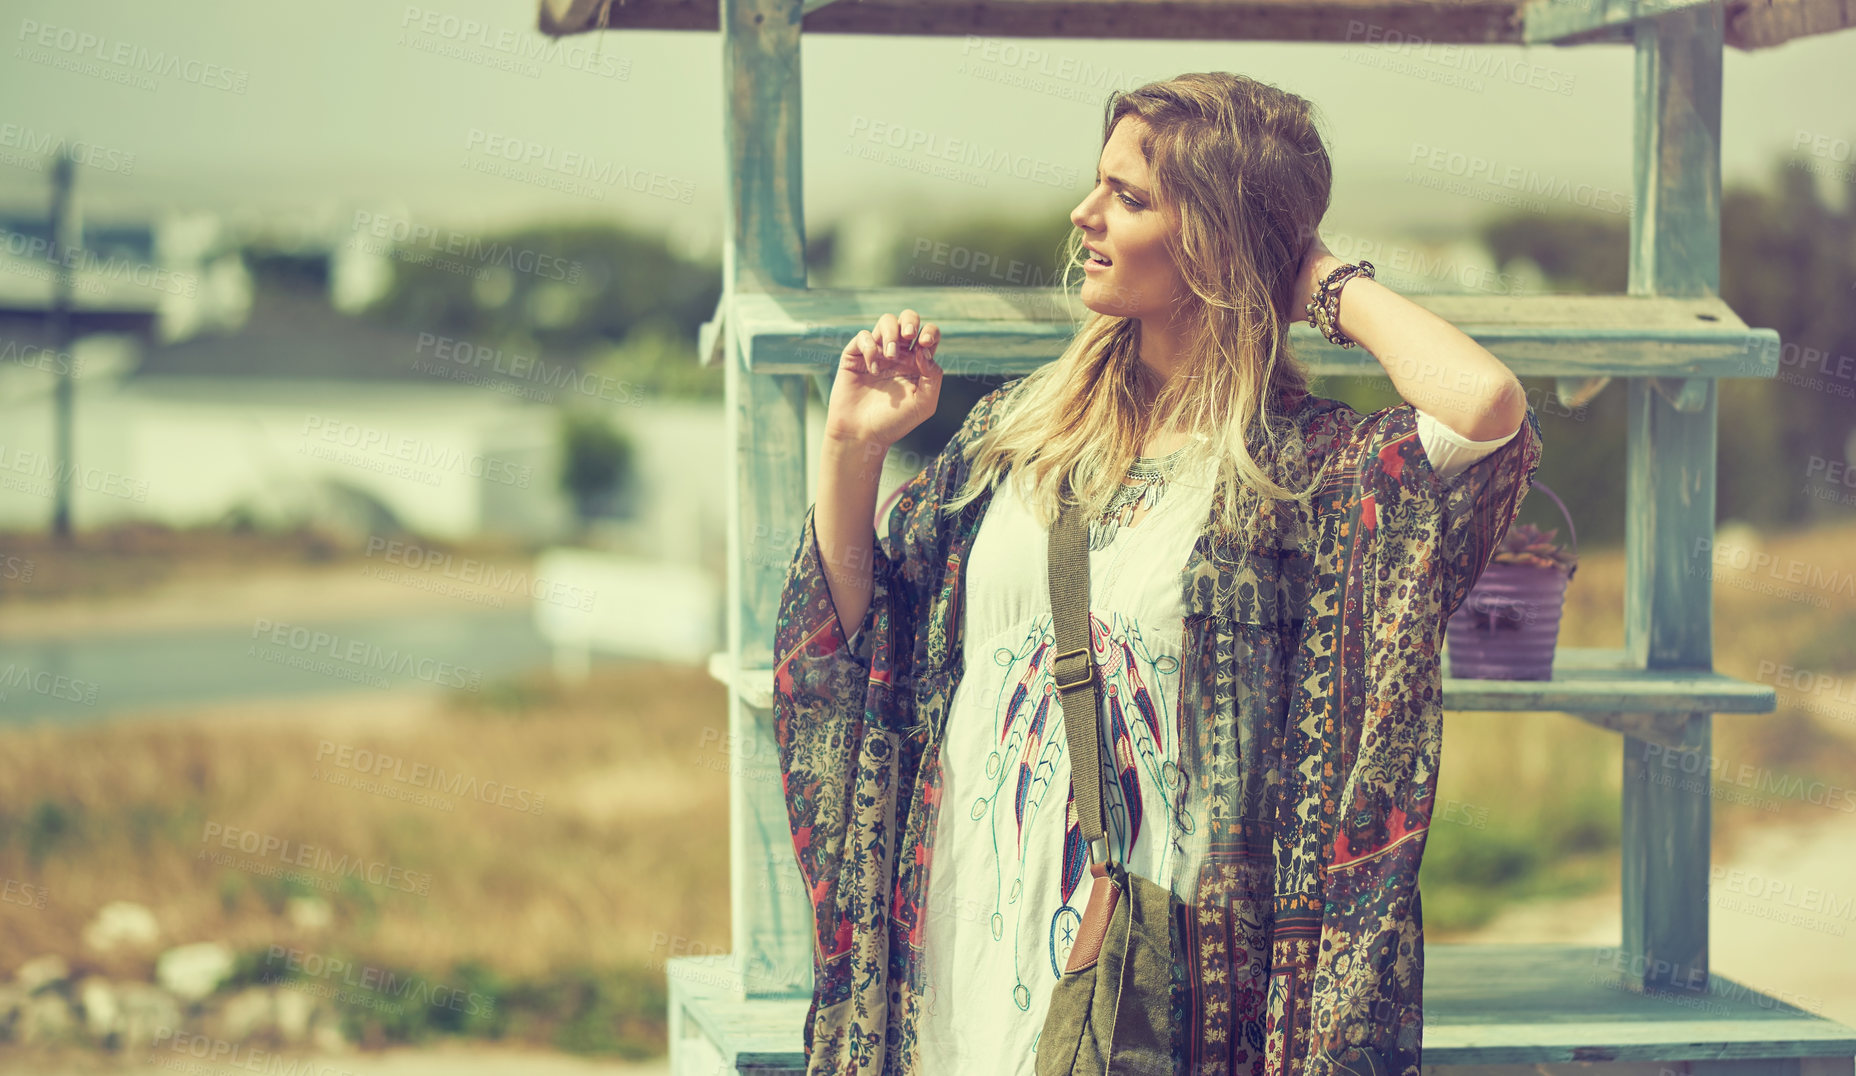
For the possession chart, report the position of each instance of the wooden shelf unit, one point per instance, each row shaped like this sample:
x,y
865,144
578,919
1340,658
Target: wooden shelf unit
x,y
1669,340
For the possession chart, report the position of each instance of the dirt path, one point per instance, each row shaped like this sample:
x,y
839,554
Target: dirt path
x,y
195,599
450,1060
1782,914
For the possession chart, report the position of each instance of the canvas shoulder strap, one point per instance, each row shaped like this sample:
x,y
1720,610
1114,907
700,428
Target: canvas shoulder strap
x,y
1074,667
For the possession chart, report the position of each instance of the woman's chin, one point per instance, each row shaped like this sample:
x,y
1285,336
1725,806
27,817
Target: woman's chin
x,y
1100,299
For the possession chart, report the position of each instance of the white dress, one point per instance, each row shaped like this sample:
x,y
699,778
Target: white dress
x,y
1009,879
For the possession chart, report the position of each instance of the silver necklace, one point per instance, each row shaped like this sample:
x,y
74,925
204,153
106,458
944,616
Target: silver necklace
x,y
1147,482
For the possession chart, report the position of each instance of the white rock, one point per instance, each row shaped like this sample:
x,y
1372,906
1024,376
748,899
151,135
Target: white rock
x,y
12,999
328,1036
101,1013
294,1008
147,1012
45,1018
309,913
246,1013
1736,541
122,924
194,971
42,971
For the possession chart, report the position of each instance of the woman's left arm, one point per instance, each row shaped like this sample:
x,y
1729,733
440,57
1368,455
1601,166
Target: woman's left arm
x,y
1434,365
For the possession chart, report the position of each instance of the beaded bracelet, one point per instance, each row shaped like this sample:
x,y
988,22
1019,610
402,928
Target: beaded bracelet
x,y
1324,308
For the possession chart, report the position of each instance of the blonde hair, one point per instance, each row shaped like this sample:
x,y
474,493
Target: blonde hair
x,y
1242,175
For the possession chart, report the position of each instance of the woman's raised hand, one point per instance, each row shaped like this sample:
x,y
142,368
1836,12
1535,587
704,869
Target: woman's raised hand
x,y
887,383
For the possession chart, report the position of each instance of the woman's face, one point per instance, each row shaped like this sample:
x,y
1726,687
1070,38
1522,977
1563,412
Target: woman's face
x,y
1120,220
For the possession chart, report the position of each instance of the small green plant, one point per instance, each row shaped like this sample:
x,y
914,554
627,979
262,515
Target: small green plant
x,y
1528,544
596,463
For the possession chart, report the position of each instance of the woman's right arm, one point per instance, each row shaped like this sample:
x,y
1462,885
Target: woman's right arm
x,y
887,383
847,490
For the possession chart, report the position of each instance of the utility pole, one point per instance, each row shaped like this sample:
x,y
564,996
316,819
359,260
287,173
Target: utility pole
x,y
66,235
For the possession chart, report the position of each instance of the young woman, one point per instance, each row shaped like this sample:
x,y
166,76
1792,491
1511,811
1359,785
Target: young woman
x,y
1270,573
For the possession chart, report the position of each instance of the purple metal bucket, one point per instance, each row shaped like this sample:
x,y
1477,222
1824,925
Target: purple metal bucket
x,y
1509,624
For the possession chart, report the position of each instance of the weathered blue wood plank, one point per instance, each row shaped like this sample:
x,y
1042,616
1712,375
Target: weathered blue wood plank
x,y
764,248
1670,459
1586,21
1584,681
1007,330
1483,1005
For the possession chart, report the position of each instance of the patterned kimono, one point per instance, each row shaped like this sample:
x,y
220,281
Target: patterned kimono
x,y
1310,709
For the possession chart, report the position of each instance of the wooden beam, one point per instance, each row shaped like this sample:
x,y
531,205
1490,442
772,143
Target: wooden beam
x,y
764,247
1010,330
1456,21
1752,24
1761,24
1675,250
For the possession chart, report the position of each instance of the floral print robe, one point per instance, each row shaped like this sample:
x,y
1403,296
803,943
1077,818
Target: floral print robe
x,y
1310,696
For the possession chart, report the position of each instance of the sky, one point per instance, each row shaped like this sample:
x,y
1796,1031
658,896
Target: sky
x,y
447,114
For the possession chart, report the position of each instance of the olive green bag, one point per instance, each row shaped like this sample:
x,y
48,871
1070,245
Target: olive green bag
x,y
1111,1010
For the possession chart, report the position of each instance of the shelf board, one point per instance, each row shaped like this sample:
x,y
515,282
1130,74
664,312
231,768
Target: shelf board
x,y
754,686
1483,1005
1584,681
1014,330
1598,680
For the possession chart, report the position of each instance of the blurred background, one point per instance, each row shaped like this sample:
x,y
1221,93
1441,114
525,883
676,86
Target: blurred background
x,y
361,530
